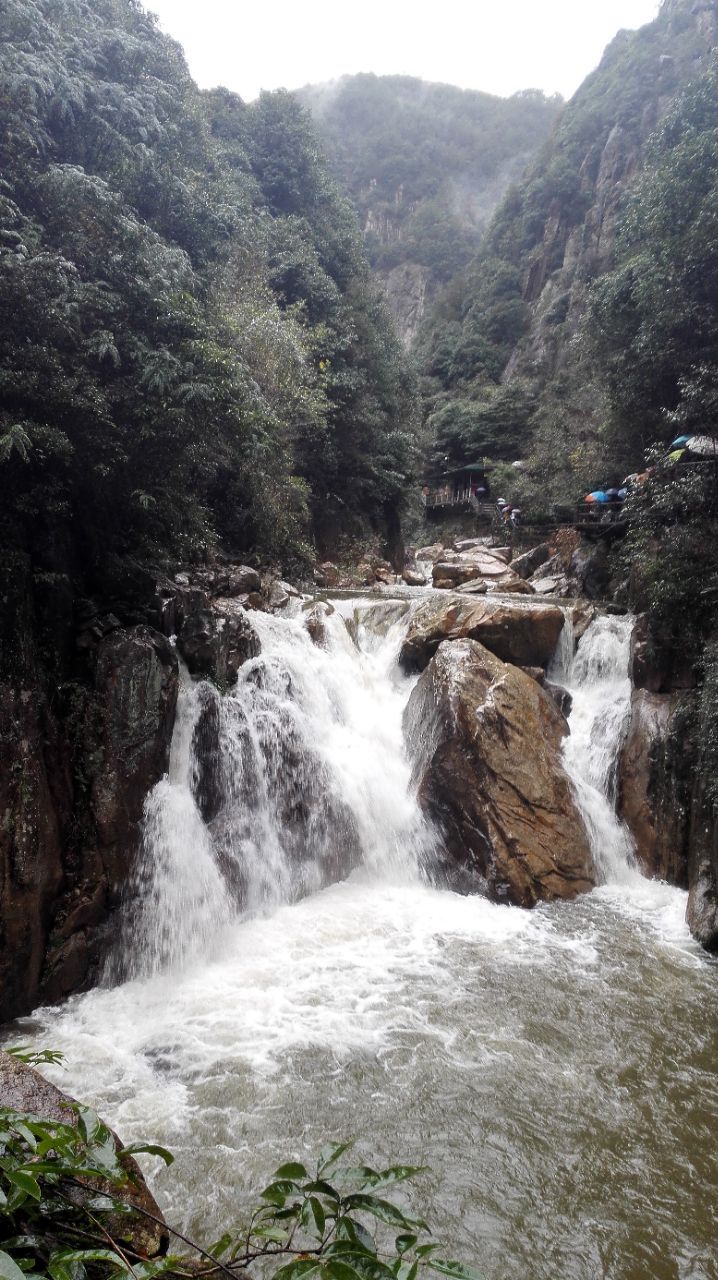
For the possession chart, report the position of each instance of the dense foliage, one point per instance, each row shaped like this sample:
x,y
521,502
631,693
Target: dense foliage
x,y
65,1214
191,348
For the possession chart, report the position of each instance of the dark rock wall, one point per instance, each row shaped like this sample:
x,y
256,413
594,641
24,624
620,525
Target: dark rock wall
x,y
663,785
88,691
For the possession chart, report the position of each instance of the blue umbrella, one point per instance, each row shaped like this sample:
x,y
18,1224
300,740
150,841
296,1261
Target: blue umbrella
x,y
598,495
679,440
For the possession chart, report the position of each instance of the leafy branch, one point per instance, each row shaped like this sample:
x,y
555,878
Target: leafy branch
x,y
65,1213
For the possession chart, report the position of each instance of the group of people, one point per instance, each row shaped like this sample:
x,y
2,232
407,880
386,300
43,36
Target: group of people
x,y
509,514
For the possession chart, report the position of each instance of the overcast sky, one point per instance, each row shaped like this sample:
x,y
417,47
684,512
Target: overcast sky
x,y
496,45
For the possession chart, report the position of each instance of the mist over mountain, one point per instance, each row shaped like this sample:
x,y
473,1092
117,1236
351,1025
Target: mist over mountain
x,y
425,166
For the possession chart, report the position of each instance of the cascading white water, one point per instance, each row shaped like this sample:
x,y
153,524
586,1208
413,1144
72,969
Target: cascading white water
x,y
597,677
287,784
525,1056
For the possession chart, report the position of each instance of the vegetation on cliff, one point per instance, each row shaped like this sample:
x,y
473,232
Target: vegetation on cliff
x,y
516,328
191,347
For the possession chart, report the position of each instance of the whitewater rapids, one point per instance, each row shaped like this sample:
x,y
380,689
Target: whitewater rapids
x,y
555,1069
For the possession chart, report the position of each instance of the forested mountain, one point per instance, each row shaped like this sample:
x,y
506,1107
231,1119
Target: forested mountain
x,y
192,350
542,351
425,166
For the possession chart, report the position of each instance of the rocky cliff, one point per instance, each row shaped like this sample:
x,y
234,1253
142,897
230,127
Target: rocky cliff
x,y
426,166
88,689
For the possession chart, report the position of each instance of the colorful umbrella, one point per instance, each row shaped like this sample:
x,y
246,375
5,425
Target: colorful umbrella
x,y
676,455
707,446
679,440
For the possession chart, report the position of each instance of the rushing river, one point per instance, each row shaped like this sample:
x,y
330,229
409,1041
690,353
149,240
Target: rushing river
x,y
555,1069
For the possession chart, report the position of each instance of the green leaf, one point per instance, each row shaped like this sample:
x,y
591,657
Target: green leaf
x,y
24,1181
277,1192
425,1249
291,1170
150,1149
404,1243
221,1246
276,1234
381,1209
456,1269
336,1269
313,1217
408,1270
319,1187
9,1270
331,1153
297,1269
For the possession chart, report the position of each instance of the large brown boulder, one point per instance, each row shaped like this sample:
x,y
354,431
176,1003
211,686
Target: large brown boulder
x,y
486,741
522,631
24,1089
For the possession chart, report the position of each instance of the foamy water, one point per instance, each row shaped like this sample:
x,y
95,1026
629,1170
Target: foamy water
x,y
555,1069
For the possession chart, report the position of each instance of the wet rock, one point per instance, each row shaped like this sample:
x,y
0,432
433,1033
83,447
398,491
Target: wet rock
x,y
582,615
278,594
560,696
207,782
655,669
465,570
530,561
486,747
432,553
136,677
702,910
524,632
24,1089
327,575
476,587
647,799
35,806
510,585
215,641
316,623
413,578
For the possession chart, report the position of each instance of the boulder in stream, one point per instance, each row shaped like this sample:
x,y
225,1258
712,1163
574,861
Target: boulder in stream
x,y
524,632
486,746
486,759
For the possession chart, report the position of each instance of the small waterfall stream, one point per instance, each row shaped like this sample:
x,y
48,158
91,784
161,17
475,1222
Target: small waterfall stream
x,y
597,678
287,976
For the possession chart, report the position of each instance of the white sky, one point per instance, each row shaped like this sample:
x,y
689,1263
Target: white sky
x,y
495,45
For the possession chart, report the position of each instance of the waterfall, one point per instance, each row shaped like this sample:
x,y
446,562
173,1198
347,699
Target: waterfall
x,y
597,677
293,780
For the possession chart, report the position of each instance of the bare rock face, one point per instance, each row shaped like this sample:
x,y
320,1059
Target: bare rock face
x,y
530,561
702,910
647,803
486,742
136,677
524,632
24,1089
35,800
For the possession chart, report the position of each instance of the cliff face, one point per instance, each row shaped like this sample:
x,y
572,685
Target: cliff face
x,y
426,166
88,690
590,161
